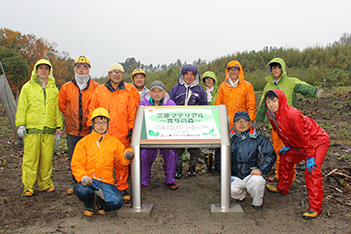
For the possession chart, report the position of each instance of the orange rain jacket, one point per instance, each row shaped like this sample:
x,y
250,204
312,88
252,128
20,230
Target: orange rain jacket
x,y
121,104
239,98
74,104
95,155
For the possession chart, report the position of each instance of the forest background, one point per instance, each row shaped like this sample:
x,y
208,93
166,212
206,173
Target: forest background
x,y
328,65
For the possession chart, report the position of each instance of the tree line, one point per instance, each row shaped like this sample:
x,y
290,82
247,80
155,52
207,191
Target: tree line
x,y
19,53
317,65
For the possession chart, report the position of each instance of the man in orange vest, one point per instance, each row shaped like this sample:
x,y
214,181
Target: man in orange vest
x,y
121,100
74,100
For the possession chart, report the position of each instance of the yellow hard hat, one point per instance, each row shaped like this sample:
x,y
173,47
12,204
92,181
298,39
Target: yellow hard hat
x,y
138,71
100,111
82,59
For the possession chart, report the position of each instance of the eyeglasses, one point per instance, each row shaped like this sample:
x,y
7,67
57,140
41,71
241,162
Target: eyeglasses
x,y
244,121
100,123
118,72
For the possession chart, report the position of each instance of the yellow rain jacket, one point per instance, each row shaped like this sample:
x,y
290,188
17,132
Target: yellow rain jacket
x,y
95,155
239,98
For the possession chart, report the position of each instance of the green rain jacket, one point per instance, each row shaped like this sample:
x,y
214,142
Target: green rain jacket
x,y
289,85
215,85
37,107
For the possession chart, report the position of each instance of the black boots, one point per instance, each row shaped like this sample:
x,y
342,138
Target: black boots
x,y
179,172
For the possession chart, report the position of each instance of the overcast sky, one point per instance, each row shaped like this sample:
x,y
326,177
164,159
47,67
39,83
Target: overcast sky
x,y
162,31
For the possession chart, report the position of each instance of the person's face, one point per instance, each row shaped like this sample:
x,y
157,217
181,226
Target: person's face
x,y
82,69
209,82
43,71
139,80
189,77
242,125
233,73
157,94
272,104
277,71
116,76
100,124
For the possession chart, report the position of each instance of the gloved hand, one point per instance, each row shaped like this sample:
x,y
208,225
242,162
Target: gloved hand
x,y
100,194
129,154
57,139
87,181
130,133
21,131
283,150
319,92
311,164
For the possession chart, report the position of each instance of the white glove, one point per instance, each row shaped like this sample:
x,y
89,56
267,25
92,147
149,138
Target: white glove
x,y
319,92
57,139
87,181
129,155
21,131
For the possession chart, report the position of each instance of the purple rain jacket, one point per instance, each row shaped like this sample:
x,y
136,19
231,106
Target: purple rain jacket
x,y
192,95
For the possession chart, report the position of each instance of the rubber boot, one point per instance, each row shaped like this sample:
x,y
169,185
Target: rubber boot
x,y
179,172
310,215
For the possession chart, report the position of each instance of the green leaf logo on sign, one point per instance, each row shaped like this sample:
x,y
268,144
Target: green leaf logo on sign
x,y
154,134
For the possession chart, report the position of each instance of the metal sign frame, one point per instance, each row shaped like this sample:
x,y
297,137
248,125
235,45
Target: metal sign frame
x,y
220,210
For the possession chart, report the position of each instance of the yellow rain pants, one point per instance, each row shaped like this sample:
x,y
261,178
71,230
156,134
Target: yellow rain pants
x,y
37,161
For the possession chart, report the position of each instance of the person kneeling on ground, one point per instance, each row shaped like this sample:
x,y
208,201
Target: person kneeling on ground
x,y
305,140
92,166
158,96
246,147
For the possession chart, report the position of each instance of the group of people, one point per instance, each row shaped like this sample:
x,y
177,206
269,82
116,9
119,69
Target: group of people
x,y
99,123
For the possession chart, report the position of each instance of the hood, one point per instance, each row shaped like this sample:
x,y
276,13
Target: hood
x,y
211,75
269,70
34,72
281,98
189,67
241,72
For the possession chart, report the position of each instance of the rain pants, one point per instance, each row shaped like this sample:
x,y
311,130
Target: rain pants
x,y
239,98
290,86
38,111
148,156
306,139
121,103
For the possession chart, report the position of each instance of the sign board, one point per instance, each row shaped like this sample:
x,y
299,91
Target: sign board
x,y
179,123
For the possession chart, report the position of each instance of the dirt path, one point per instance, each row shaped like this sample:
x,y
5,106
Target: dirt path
x,y
186,210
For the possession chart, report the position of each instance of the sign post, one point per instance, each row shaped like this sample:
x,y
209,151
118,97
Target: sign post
x,y
180,127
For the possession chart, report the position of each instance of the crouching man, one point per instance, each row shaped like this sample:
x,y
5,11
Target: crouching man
x,y
92,166
247,146
304,140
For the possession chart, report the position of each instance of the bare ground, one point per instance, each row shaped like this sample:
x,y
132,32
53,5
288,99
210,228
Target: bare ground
x,y
187,209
